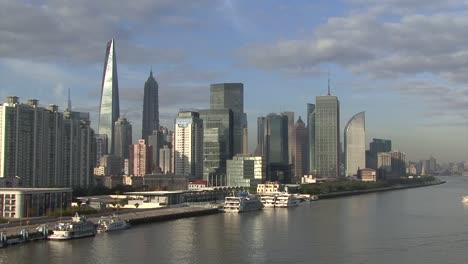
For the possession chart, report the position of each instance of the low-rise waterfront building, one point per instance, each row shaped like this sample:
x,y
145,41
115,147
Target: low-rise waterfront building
x,y
166,182
269,187
33,202
367,175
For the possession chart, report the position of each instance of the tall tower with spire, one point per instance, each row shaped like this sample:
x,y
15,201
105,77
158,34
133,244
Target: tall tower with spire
x,y
109,110
150,120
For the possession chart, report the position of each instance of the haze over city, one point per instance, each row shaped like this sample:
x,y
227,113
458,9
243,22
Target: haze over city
x,y
402,62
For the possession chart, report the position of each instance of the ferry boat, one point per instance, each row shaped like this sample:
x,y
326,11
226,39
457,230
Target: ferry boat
x,y
268,200
111,223
242,203
286,200
76,228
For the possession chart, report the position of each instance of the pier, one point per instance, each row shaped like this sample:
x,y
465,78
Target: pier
x,y
134,217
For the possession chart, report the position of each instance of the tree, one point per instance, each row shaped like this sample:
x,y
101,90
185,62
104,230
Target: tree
x,y
136,205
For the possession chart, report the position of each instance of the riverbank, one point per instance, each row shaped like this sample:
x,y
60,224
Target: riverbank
x,y
134,217
381,189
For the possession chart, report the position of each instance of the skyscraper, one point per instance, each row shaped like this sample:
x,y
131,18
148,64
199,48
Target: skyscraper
x,y
188,144
291,143
355,144
327,136
380,145
217,142
123,138
109,109
150,108
311,166
300,150
231,96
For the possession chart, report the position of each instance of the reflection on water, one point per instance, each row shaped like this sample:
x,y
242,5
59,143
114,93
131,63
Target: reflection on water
x,y
423,225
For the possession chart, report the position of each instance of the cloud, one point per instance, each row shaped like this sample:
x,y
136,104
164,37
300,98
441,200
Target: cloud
x,y
77,31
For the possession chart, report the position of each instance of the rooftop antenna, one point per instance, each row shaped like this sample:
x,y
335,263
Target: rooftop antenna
x,y
69,100
328,82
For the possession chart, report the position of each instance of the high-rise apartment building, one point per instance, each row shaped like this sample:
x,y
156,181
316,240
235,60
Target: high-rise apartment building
x,y
355,144
300,150
44,147
150,108
188,144
123,138
217,143
327,136
140,158
231,96
109,110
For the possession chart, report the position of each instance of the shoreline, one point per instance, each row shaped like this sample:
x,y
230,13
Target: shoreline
x,y
383,189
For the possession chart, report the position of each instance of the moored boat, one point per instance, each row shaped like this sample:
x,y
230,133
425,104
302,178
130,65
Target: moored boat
x,y
268,200
242,203
286,200
111,223
76,228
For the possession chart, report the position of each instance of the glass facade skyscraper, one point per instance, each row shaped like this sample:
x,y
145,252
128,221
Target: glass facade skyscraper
x,y
109,110
355,144
150,108
231,96
327,136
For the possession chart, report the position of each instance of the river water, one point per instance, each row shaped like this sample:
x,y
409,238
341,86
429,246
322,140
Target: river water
x,y
421,225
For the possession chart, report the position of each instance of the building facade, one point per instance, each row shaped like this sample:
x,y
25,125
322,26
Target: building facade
x,y
327,136
188,145
311,168
123,138
150,108
355,144
300,150
217,143
231,96
140,158
109,110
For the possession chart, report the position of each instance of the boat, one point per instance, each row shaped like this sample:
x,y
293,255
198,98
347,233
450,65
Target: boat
x,y
111,223
286,200
77,227
242,203
268,200
465,199
16,239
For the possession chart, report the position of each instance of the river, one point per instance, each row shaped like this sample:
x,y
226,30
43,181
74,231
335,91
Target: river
x,y
421,225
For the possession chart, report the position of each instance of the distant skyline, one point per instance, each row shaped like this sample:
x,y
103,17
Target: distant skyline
x,y
404,63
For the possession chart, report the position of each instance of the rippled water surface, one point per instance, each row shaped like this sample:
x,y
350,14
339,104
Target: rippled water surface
x,y
422,225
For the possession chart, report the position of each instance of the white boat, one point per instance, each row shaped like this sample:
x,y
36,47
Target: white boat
x,y
268,200
76,228
111,223
286,200
243,203
465,199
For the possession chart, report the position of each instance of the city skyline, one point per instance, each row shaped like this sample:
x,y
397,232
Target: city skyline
x,y
409,96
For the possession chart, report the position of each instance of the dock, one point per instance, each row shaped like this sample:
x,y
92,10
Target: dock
x,y
134,217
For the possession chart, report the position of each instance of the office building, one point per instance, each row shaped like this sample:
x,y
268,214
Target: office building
x,y
109,110
101,146
380,145
291,143
188,145
154,140
231,96
123,138
327,136
311,166
398,164
217,143
241,172
355,144
300,151
150,108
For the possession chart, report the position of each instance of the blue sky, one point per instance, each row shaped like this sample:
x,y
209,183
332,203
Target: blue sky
x,y
404,62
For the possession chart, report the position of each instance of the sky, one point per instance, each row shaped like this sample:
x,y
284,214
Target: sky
x,y
403,62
